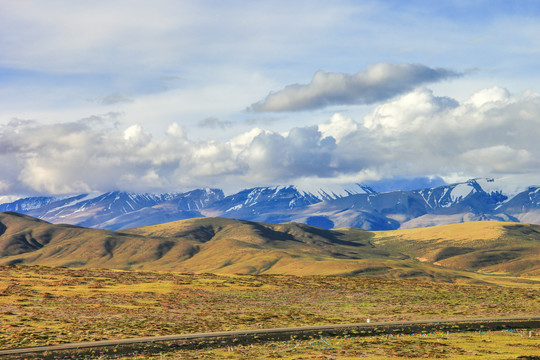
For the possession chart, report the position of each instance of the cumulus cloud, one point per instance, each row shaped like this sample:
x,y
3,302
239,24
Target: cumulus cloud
x,y
378,83
136,135
479,136
408,112
493,133
303,151
491,96
175,130
338,126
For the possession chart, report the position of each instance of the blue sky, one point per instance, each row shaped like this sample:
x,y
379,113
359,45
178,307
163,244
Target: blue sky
x,y
174,95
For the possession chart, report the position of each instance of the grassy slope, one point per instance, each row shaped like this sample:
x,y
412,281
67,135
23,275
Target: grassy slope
x,y
460,252
487,247
66,245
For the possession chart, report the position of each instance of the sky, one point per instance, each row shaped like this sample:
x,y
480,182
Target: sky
x,y
176,95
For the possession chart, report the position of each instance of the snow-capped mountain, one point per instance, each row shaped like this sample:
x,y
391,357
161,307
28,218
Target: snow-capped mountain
x,y
173,207
97,209
27,204
395,209
328,207
455,197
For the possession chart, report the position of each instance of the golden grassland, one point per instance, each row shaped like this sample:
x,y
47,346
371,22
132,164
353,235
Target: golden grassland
x,y
42,305
460,233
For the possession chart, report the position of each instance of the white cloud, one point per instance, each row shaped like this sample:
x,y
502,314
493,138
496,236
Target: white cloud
x,y
135,135
491,96
498,159
408,112
338,126
378,83
175,130
181,61
43,175
417,134
242,141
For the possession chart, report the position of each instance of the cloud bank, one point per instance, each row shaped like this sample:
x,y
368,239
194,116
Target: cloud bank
x,y
493,133
378,83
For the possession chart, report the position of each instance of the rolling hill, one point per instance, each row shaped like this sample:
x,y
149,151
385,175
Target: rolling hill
x,y
461,252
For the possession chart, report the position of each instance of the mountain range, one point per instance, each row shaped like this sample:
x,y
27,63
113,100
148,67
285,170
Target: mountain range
x,y
355,205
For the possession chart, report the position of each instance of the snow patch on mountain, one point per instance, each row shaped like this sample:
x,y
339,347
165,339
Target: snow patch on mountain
x,y
73,201
236,207
461,191
333,191
509,185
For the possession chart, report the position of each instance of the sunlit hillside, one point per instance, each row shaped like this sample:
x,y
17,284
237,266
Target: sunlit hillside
x,y
467,252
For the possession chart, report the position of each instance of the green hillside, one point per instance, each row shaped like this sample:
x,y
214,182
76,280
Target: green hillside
x,y
460,253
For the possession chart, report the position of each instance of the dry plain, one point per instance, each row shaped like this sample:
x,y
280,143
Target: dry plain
x,y
45,305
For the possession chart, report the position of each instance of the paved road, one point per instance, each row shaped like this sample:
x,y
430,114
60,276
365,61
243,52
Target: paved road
x,y
281,333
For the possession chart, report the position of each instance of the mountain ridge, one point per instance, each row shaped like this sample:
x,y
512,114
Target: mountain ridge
x,y
354,205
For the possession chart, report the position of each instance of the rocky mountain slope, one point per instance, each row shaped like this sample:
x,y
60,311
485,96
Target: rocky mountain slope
x,y
351,206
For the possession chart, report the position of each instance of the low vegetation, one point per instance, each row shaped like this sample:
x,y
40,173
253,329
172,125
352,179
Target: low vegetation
x,y
42,305
503,345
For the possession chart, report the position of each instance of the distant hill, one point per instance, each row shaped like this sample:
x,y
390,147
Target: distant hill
x,y
354,205
460,252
